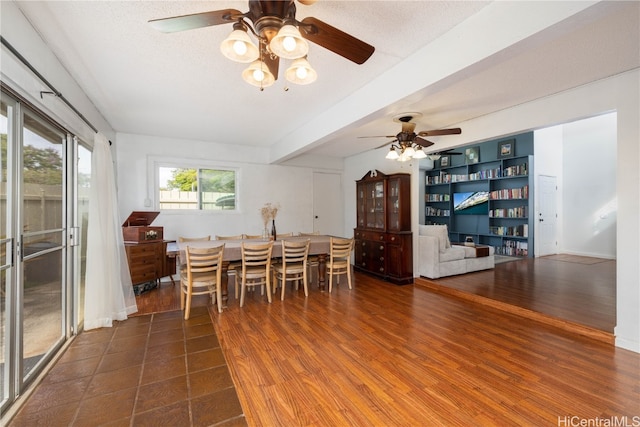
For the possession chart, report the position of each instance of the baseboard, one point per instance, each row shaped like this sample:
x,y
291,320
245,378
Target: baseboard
x,y
545,319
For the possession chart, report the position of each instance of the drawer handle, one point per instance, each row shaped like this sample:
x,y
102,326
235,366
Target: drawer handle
x,y
381,258
381,247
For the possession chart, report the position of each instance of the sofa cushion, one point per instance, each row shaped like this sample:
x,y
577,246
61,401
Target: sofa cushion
x,y
439,231
453,253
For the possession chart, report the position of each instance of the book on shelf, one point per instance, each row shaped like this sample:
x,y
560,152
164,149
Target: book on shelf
x,y
513,248
445,197
521,230
510,193
517,170
431,211
519,212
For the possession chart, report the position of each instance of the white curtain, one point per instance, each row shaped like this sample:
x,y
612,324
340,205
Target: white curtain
x,y
108,290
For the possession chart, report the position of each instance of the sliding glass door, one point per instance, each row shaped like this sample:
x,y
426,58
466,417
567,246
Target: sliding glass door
x,y
43,219
42,223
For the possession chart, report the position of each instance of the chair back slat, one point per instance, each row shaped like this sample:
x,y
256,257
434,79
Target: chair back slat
x,y
295,251
258,254
203,260
236,237
341,248
182,239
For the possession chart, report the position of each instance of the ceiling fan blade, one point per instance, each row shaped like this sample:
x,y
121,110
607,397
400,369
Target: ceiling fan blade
x,y
437,132
423,142
335,40
386,143
196,20
378,136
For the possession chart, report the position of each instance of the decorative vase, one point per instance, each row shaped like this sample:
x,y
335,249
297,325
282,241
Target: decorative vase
x,y
265,233
274,236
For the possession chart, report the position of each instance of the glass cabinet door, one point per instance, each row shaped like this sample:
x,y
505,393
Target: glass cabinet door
x,y
379,205
393,204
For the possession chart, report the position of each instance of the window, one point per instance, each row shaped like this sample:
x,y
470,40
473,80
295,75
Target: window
x,y
201,189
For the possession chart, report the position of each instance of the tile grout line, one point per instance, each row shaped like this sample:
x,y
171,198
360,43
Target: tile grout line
x,y
142,369
93,375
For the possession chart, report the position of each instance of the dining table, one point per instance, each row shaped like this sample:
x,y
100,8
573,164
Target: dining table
x,y
319,246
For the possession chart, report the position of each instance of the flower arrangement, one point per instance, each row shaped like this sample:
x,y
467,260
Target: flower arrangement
x,y
269,212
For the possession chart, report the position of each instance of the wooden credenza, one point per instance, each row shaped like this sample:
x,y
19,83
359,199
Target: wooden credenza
x,y
148,263
383,237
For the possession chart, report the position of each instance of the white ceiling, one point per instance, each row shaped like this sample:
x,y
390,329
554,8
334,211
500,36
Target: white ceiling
x,y
180,86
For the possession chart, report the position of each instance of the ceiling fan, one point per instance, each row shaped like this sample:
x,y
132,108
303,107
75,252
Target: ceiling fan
x,y
279,34
411,143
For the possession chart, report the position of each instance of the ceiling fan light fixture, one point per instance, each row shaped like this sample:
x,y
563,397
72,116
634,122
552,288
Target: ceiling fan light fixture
x,y
258,74
392,154
419,153
403,157
300,72
409,151
288,43
434,157
238,47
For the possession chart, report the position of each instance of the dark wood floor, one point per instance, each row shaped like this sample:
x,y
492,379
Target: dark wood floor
x,y
574,288
382,354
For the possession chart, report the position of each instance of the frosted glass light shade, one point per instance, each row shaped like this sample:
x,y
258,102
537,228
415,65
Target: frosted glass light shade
x,y
392,154
409,151
419,154
300,72
258,74
239,47
288,43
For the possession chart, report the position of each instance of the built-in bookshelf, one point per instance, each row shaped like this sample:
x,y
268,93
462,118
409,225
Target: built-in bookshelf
x,y
488,201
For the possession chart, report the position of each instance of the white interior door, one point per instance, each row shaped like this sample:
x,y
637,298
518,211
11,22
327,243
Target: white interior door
x,y
328,210
547,241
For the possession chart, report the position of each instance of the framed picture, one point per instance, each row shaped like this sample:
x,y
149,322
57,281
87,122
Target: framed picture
x,y
506,149
472,155
444,161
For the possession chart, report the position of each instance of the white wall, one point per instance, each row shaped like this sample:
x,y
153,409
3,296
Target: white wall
x,y
258,183
548,154
582,155
21,35
619,93
589,187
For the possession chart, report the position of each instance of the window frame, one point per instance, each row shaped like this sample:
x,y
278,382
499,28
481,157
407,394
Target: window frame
x,y
153,199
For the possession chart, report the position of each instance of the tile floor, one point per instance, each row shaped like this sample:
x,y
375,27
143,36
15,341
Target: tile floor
x,y
156,370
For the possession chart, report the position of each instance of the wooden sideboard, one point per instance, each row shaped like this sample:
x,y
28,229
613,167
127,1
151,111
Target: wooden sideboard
x,y
383,237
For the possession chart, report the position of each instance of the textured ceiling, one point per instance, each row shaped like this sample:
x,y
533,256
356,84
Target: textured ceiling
x,y
180,86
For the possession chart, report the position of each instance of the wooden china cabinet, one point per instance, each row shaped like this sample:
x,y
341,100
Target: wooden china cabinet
x,y
383,238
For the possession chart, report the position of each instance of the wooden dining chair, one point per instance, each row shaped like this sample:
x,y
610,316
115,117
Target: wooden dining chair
x,y
233,266
182,239
312,260
293,265
236,237
284,235
203,276
256,268
340,260
253,236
